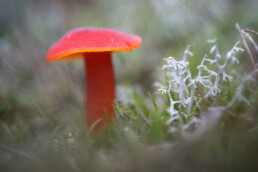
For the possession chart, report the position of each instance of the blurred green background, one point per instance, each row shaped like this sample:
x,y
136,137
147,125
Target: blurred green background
x,y
38,100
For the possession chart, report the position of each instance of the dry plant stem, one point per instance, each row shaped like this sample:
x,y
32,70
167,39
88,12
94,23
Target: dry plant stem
x,y
245,45
100,88
252,41
15,151
251,31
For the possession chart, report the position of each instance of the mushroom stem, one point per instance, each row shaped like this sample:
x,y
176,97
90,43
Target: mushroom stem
x,y
100,88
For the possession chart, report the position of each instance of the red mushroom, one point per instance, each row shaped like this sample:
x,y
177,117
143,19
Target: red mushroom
x,y
95,45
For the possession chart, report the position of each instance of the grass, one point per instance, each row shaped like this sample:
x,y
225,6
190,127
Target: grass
x,y
42,123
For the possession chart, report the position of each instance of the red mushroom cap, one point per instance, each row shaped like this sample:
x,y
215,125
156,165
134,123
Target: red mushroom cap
x,y
83,40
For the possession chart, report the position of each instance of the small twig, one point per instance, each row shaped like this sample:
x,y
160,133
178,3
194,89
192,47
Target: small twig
x,y
144,118
164,146
245,45
251,31
251,40
15,151
127,117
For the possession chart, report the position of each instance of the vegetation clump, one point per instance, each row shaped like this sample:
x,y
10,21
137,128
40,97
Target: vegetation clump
x,y
189,94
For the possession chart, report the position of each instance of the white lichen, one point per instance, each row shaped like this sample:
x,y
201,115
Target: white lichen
x,y
182,85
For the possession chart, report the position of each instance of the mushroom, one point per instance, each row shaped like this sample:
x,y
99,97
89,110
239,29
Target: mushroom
x,y
95,46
